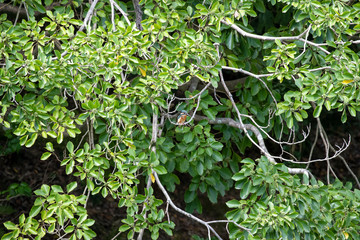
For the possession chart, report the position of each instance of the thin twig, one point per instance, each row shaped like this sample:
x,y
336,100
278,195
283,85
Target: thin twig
x,y
121,11
17,14
228,221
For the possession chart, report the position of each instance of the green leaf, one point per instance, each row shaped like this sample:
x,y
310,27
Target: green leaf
x,y
200,168
104,192
35,211
248,161
352,111
88,222
212,194
160,170
52,134
216,146
217,156
327,105
49,147
245,190
57,188
90,184
71,132
225,173
183,165
70,147
298,116
189,196
70,167
233,203
343,117
230,41
10,226
71,186
69,229
32,140
8,236
124,228
188,137
60,137
68,213
317,111
45,156
238,176
259,5
209,151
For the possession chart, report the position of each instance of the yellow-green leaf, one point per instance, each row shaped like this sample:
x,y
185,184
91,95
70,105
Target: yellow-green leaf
x,y
347,81
143,72
152,178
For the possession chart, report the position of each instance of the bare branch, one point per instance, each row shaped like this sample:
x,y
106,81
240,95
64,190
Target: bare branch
x,y
270,38
198,94
169,201
88,15
228,221
260,37
121,11
306,38
267,74
337,153
112,15
231,122
138,14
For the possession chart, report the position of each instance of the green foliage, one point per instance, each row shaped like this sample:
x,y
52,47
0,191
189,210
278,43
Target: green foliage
x,y
94,88
16,189
10,143
275,204
56,210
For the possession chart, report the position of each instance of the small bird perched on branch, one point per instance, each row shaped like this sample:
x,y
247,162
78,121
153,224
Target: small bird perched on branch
x,y
182,117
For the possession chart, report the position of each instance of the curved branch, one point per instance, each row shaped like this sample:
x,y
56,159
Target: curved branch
x,y
231,122
267,74
261,144
338,152
168,199
260,37
270,38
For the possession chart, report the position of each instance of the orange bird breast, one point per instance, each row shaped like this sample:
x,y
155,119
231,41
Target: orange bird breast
x,y
181,119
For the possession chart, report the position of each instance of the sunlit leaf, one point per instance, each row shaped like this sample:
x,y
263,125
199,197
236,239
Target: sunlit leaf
x,y
347,81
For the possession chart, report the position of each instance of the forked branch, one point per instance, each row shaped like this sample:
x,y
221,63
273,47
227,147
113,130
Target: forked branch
x,y
206,224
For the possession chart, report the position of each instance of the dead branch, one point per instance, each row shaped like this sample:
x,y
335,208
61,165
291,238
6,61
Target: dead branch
x,y
168,199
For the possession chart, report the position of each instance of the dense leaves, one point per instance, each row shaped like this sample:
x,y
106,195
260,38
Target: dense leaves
x,y
79,76
275,204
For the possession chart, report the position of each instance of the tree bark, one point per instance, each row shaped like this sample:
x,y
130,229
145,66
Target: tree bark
x,y
138,14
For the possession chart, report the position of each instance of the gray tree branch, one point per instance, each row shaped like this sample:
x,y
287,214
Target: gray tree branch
x,y
138,14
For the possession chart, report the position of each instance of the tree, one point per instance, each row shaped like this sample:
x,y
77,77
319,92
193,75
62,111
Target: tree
x,y
105,80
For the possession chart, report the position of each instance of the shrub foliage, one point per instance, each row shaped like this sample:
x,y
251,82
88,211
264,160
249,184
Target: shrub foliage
x,y
100,84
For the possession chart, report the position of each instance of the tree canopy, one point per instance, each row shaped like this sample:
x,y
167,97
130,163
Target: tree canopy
x,y
100,85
